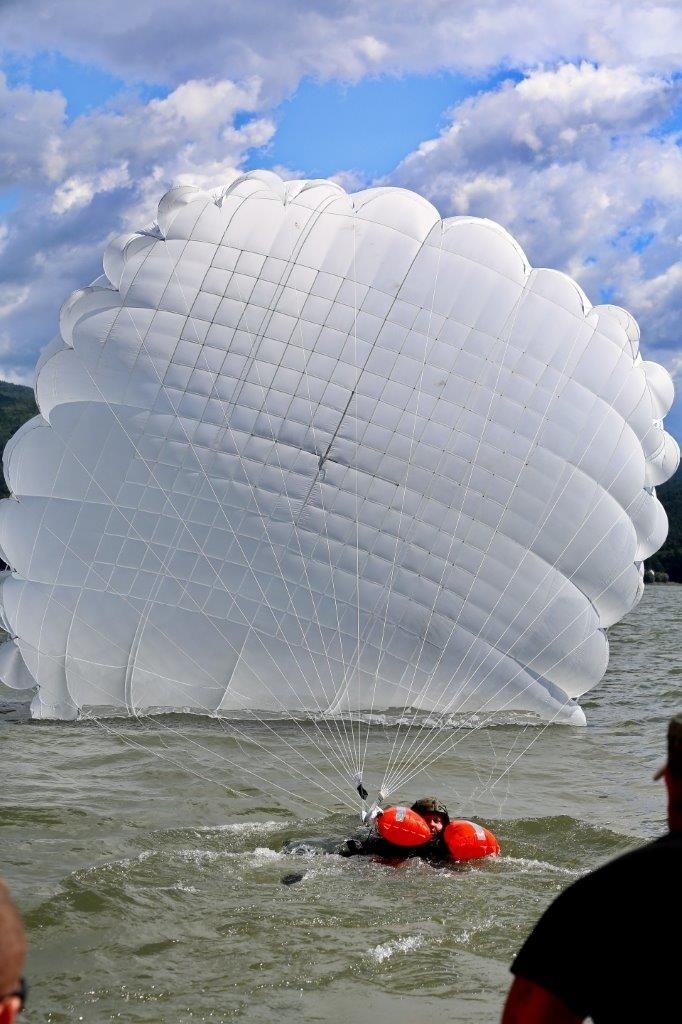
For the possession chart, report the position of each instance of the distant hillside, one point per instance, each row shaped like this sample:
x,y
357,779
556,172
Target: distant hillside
x,y
669,558
16,406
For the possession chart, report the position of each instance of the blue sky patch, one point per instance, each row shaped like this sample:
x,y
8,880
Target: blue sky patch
x,y
367,127
642,240
84,86
9,200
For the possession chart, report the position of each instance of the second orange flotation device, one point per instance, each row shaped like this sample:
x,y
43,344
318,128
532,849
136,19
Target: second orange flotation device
x,y
466,840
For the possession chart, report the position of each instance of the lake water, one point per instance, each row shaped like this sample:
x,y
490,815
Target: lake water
x,y
149,871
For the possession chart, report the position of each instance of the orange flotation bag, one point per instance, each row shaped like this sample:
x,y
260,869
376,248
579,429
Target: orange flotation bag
x,y
403,827
466,841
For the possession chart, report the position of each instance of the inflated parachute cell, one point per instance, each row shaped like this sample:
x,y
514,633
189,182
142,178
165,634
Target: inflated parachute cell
x,y
305,450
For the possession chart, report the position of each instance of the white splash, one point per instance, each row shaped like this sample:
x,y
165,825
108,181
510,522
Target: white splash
x,y
386,949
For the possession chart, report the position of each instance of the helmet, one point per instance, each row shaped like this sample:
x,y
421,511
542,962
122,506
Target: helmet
x,y
431,805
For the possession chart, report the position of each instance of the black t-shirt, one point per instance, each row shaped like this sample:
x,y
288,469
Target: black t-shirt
x,y
609,946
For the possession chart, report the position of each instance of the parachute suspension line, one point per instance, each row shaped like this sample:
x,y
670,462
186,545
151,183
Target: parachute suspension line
x,y
427,342
493,648
446,745
43,525
533,442
357,478
151,471
304,777
354,660
477,793
191,446
353,664
246,474
230,731
346,681
263,645
256,341
319,480
148,545
343,689
490,786
341,740
454,740
298,797
567,579
455,426
511,321
306,375
494,393
258,637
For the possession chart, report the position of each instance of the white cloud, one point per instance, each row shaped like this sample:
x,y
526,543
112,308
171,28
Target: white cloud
x,y
675,367
567,160
162,40
11,298
660,289
79,191
372,48
103,173
10,370
29,124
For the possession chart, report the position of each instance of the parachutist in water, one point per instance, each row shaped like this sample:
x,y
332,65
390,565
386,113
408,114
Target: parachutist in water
x,y
375,844
423,830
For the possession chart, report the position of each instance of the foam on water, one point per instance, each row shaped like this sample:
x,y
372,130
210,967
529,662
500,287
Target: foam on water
x,y
387,949
529,866
246,828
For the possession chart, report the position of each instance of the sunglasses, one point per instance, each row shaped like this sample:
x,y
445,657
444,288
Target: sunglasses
x,y
20,993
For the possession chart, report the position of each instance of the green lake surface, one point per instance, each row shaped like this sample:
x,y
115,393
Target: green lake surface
x,y
147,860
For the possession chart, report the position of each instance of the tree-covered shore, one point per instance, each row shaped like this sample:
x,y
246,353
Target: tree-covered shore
x,y
17,405
669,558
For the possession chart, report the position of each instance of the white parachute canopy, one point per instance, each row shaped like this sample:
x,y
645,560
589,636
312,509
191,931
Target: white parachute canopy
x,y
302,451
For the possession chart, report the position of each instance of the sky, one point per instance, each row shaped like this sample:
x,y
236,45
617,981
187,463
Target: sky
x,y
565,129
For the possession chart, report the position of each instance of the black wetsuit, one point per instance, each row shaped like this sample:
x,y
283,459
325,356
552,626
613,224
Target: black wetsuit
x,y
374,846
366,843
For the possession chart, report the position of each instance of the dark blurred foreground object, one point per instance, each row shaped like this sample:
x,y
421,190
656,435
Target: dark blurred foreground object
x,y
12,957
608,947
